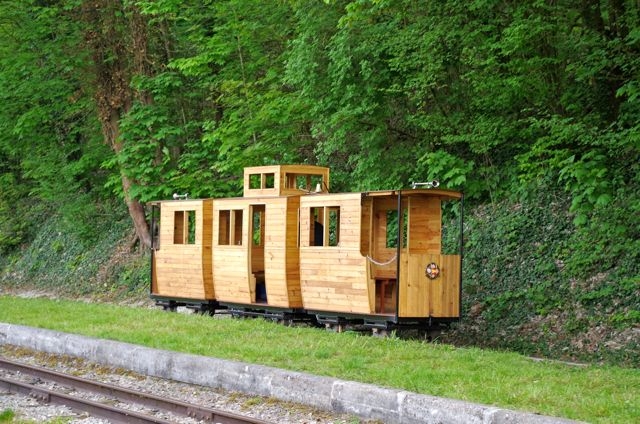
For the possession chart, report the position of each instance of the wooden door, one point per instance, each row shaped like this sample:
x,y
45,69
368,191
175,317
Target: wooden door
x,y
423,248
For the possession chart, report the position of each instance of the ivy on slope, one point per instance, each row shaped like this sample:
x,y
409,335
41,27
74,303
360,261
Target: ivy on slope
x,y
66,260
536,283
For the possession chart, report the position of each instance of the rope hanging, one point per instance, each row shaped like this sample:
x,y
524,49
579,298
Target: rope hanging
x,y
382,263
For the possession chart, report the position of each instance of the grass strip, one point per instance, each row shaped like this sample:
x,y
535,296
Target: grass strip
x,y
598,394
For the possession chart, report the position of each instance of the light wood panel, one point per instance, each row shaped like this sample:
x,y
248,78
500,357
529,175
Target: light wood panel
x,y
425,224
230,266
181,269
423,297
334,278
445,291
277,257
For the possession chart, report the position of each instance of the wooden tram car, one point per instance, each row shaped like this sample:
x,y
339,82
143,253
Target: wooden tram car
x,y
291,250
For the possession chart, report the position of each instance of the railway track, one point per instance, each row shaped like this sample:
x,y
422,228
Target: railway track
x,y
68,390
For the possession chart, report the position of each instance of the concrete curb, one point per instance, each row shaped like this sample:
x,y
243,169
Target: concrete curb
x,y
364,400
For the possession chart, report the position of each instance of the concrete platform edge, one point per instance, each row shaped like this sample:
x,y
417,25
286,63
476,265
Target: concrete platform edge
x,y
364,400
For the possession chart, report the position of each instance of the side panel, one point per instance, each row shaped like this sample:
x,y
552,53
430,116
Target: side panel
x,y
334,278
292,254
281,254
445,290
231,268
182,265
240,267
207,249
421,296
341,287
425,221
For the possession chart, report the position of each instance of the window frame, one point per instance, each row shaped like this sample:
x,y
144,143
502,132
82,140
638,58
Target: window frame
x,y
328,217
185,227
230,227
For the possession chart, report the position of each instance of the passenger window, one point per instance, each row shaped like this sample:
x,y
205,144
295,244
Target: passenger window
x,y
325,226
318,184
230,227
155,227
334,226
255,182
237,228
305,182
223,227
316,236
184,229
191,224
269,180
258,226
262,181
392,228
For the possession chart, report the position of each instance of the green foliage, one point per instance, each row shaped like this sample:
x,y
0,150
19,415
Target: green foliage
x,y
48,146
610,237
449,170
535,283
66,258
218,105
475,94
12,226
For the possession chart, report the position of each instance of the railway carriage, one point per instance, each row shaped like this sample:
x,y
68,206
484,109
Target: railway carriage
x,y
289,249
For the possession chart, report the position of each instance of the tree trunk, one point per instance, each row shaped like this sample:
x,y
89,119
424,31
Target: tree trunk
x,y
111,132
137,213
113,82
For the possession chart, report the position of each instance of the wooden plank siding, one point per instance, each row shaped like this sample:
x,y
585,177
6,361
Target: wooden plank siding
x,y
425,224
180,269
445,290
334,278
230,265
292,253
419,295
423,297
277,257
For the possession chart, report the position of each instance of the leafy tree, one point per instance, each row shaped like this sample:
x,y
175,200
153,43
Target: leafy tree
x,y
47,143
484,95
223,77
116,37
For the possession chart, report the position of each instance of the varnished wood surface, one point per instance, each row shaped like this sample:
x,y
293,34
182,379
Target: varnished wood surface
x,y
357,273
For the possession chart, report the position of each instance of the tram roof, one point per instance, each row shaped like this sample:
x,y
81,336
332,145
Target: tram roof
x,y
433,192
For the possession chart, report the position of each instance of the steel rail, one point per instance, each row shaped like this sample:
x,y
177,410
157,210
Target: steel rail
x,y
121,394
111,413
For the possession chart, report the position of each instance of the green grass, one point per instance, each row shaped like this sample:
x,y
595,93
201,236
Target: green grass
x,y
7,416
602,394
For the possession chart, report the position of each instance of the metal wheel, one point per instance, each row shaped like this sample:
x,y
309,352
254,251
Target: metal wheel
x,y
336,328
170,308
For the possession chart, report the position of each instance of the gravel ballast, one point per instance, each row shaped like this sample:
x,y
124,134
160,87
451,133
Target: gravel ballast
x,y
267,409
